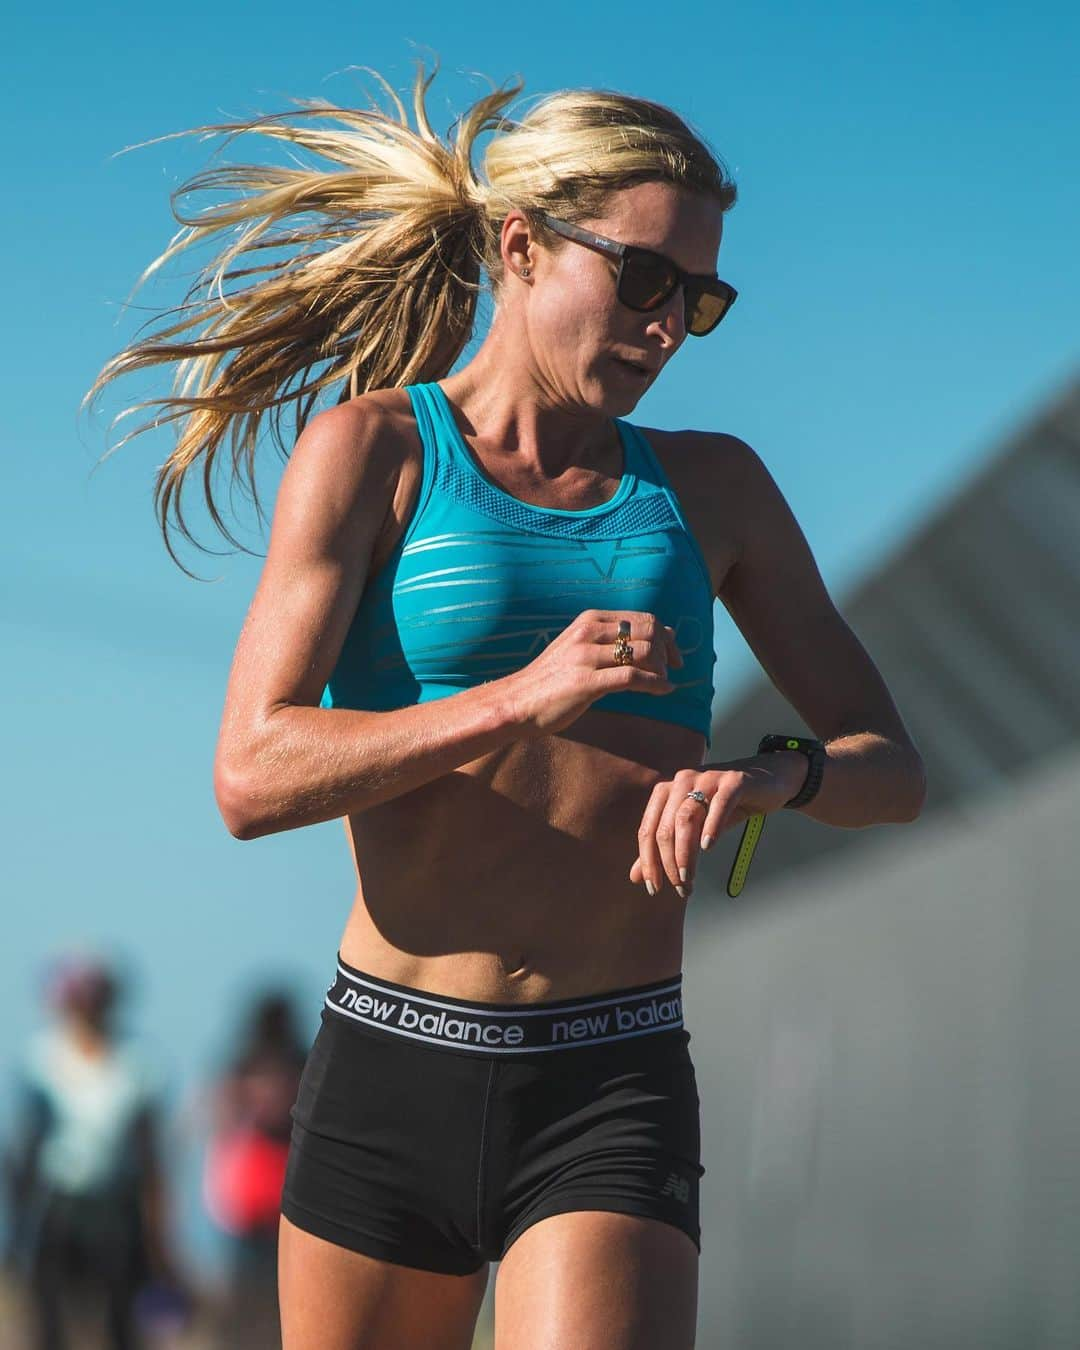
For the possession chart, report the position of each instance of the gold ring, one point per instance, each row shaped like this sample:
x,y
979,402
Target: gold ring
x,y
623,652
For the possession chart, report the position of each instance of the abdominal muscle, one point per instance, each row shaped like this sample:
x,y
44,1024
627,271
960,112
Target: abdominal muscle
x,y
507,880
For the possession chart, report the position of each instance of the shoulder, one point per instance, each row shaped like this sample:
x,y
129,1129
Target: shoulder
x,y
691,451
377,424
712,467
354,457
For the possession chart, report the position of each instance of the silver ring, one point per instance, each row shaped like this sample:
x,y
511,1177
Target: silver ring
x,y
699,796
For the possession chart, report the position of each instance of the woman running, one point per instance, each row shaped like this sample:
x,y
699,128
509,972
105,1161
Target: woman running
x,y
483,636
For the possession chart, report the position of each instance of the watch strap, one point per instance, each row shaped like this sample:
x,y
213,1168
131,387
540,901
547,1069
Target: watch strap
x,y
813,749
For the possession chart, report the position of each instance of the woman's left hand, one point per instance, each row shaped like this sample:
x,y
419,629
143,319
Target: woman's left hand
x,y
675,826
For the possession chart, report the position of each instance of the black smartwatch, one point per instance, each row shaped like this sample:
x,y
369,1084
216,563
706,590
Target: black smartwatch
x,y
814,752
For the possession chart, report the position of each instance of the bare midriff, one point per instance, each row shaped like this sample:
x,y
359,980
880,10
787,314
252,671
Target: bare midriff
x,y
508,881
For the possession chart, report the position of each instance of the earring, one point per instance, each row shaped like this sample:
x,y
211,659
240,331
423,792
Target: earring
x,y
526,271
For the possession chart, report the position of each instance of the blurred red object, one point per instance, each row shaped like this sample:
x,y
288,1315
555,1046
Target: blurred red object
x,y
243,1180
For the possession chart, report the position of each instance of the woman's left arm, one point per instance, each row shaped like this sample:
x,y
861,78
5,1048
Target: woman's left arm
x,y
774,592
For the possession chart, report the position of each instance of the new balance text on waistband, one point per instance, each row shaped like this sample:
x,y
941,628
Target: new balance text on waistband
x,y
513,1029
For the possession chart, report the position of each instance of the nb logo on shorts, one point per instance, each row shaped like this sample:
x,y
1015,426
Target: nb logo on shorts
x,y
677,1186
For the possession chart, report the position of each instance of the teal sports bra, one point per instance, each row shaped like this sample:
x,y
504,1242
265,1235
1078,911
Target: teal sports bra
x,y
481,582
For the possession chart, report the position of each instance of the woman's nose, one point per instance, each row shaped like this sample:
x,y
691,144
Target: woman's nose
x,y
670,320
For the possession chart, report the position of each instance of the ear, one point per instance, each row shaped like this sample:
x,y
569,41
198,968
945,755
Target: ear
x,y
516,243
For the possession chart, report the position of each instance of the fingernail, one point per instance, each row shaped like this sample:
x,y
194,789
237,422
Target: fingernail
x,y
650,887
706,840
682,873
681,892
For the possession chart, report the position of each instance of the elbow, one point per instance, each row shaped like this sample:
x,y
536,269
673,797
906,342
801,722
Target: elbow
x,y
236,802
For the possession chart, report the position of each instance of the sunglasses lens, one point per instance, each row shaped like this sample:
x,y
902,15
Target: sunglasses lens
x,y
646,281
705,309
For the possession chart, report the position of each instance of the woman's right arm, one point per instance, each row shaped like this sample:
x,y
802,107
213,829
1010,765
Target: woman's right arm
x,y
282,761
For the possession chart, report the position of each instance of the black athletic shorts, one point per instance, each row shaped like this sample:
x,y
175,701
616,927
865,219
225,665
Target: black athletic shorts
x,y
432,1132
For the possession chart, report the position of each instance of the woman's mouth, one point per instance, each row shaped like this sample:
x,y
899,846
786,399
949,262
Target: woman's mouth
x,y
640,371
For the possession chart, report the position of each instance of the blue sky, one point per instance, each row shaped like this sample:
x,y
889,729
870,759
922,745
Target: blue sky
x,y
904,246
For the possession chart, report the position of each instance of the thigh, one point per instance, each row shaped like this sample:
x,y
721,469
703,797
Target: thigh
x,y
598,1281
332,1298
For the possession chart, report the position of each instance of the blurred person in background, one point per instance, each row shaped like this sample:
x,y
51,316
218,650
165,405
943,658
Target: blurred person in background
x,y
83,1169
251,1123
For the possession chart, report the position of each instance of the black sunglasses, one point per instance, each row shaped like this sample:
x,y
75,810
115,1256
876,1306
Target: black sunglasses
x,y
646,279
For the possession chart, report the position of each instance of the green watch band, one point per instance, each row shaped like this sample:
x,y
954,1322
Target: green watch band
x,y
814,750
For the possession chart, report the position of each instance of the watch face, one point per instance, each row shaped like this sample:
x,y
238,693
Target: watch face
x,y
805,744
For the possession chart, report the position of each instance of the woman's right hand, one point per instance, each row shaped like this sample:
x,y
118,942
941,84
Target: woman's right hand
x,y
577,667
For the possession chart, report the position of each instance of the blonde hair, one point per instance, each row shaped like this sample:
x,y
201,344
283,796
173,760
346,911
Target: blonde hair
x,y
381,285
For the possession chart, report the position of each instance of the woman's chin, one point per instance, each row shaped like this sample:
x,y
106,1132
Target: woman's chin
x,y
616,398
